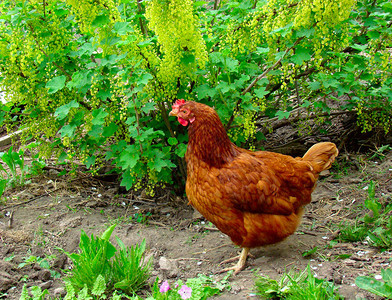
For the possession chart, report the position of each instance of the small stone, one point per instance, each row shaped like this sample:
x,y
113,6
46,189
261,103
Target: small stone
x,y
43,275
53,172
59,292
169,267
60,261
71,223
46,285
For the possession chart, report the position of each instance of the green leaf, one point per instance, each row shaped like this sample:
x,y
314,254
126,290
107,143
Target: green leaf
x,y
149,106
188,59
307,32
109,130
181,150
81,80
373,34
56,84
108,232
145,43
90,161
96,131
86,49
387,275
260,50
129,157
260,92
161,163
301,55
144,78
99,116
99,287
172,141
330,82
374,286
25,293
67,130
2,115
205,90
100,21
63,156
360,47
309,252
282,114
231,64
62,111
112,59
128,180
315,85
122,28
225,87
283,31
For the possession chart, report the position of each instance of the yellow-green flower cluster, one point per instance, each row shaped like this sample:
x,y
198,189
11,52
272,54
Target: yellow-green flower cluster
x,y
179,37
320,15
86,11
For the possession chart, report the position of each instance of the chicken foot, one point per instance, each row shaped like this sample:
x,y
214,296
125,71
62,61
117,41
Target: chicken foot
x,y
240,264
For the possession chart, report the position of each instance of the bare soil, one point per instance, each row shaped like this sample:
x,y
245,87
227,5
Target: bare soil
x,y
50,212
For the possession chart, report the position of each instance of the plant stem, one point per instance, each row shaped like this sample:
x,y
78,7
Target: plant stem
x,y
137,123
143,26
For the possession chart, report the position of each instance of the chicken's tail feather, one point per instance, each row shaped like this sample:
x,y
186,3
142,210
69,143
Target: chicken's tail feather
x,y
321,156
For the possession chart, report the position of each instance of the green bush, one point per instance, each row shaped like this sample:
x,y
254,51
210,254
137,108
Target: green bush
x,y
94,80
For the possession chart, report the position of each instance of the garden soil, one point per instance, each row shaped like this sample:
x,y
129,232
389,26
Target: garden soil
x,y
50,212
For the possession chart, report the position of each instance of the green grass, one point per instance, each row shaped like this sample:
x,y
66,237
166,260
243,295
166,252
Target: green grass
x,y
375,226
296,285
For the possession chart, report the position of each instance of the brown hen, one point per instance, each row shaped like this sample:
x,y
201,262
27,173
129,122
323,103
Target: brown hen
x,y
256,198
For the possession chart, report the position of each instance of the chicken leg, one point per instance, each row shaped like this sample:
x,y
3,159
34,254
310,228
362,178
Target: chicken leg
x,y
240,264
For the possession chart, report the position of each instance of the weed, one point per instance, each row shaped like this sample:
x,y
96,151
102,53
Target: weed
x,y
72,209
380,152
36,291
13,160
44,263
296,285
310,252
380,288
142,218
375,226
9,258
341,168
195,237
352,233
101,266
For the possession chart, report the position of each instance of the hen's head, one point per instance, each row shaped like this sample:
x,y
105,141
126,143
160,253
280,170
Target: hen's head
x,y
190,112
183,111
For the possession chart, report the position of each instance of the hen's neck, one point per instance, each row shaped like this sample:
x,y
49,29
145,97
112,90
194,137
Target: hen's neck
x,y
208,141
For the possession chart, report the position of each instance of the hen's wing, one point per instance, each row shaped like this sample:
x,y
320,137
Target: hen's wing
x,y
268,183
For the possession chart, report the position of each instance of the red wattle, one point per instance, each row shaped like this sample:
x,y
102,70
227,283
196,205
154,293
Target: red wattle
x,y
182,121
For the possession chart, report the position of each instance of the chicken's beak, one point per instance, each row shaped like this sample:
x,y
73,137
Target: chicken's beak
x,y
173,113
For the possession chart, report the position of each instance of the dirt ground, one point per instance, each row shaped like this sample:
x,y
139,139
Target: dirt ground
x,y
50,212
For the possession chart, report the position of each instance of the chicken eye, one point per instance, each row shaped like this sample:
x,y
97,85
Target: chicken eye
x,y
184,111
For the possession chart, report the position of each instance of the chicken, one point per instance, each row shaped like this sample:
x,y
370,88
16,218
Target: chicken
x,y
256,198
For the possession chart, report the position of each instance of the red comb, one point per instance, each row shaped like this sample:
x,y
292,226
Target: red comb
x,y
179,102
